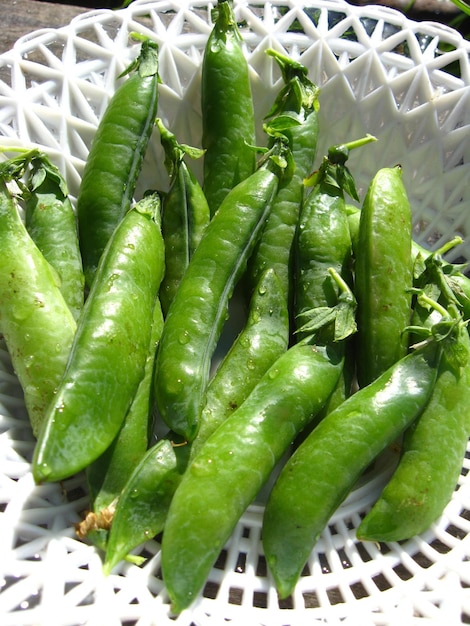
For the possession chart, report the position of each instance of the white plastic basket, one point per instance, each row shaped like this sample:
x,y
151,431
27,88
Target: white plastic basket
x,y
407,83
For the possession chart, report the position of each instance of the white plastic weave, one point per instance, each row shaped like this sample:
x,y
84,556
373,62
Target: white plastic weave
x,y
408,84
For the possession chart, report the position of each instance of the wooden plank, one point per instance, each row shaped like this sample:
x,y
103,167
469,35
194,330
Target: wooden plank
x,y
22,17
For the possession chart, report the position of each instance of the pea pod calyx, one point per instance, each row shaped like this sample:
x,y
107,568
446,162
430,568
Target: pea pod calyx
x,y
299,93
333,170
336,322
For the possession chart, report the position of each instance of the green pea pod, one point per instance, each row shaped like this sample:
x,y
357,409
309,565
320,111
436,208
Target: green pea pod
x,y
108,475
384,275
235,462
228,121
185,214
323,250
115,158
35,321
322,241
263,339
50,219
433,449
109,351
325,467
296,111
458,282
52,224
143,505
199,308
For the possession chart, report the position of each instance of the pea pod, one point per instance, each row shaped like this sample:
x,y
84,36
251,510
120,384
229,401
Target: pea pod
x,y
384,274
431,457
324,468
234,463
323,239
295,114
185,213
457,281
196,315
50,220
323,250
108,475
143,504
109,351
35,320
228,124
115,158
263,339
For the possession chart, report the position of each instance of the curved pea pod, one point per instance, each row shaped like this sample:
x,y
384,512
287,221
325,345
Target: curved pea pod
x,y
35,320
236,461
228,121
115,158
324,468
384,275
198,311
431,459
108,475
109,351
296,111
185,213
143,506
51,221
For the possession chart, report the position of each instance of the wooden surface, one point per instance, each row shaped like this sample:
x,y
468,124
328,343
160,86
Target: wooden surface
x,y
20,17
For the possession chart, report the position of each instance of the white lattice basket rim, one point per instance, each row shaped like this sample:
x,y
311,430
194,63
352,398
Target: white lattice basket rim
x,y
406,83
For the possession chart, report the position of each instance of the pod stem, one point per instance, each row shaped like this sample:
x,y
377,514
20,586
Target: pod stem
x,y
299,93
339,153
340,317
175,151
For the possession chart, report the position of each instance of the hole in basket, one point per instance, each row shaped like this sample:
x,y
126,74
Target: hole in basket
x,y
261,567
295,27
211,590
221,560
363,553
440,546
402,572
455,531
313,14
311,600
335,596
369,24
345,562
422,560
359,590
381,582
325,566
333,530
335,18
240,565
235,595
246,532
260,599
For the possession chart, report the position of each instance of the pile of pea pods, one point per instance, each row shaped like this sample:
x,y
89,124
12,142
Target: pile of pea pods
x,y
354,338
